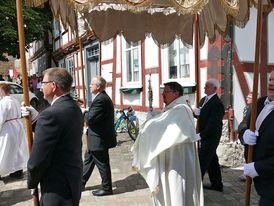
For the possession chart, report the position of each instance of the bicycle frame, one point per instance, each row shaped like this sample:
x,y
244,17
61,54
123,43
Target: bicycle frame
x,y
118,121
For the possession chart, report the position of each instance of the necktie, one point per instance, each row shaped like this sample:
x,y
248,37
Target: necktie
x,y
206,99
263,114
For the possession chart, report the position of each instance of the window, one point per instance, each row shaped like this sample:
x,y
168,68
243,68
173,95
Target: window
x,y
132,62
178,61
70,67
93,52
56,28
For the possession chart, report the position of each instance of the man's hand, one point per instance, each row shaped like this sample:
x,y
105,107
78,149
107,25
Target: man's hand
x,y
197,111
250,137
25,111
198,137
249,170
84,110
32,191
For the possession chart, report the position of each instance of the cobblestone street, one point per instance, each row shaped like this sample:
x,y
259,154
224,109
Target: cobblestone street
x,y
129,188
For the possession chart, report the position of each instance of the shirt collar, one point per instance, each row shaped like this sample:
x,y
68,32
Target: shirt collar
x,y
57,98
267,101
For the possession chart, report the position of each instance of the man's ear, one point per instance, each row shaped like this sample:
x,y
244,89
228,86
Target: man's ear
x,y
54,86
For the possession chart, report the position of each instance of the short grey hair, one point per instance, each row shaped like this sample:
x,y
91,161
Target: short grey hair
x,y
100,81
215,82
61,77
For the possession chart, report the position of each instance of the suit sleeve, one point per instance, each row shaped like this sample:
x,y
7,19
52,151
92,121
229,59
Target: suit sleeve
x,y
265,167
244,125
45,140
96,112
214,119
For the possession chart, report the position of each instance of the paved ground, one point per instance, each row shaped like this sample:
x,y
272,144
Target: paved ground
x,y
129,188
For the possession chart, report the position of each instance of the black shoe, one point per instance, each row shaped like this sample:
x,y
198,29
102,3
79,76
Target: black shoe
x,y
102,192
17,175
212,187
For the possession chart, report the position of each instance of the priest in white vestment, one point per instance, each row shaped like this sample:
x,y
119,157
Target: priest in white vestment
x,y
13,141
165,153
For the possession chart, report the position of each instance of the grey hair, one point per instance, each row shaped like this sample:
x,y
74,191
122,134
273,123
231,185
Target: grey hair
x,y
100,81
61,77
215,82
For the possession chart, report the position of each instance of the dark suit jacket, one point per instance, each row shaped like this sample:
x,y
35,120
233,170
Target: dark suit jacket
x,y
245,123
210,119
100,120
264,155
56,158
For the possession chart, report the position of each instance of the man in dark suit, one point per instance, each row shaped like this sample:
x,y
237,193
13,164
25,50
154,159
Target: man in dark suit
x,y
56,158
262,167
101,136
245,123
210,114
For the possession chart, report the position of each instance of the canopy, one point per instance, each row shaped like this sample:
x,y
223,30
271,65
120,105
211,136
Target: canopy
x,y
164,20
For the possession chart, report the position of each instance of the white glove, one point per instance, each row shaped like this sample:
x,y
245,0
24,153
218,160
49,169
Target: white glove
x,y
84,110
85,130
249,170
26,111
198,137
32,191
197,111
250,137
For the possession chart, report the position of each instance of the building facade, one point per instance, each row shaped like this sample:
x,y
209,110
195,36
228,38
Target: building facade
x,y
128,67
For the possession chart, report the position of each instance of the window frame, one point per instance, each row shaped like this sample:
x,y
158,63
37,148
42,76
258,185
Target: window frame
x,y
133,83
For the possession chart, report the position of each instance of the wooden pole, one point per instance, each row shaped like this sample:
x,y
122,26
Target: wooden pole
x,y
254,95
197,70
25,81
83,84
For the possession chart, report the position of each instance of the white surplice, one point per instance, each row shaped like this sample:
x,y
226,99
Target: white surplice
x,y
165,155
13,141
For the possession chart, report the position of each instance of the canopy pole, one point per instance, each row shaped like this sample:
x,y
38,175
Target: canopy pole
x,y
25,82
254,94
197,68
83,84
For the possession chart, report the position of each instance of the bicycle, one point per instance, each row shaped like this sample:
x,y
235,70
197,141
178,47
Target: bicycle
x,y
127,121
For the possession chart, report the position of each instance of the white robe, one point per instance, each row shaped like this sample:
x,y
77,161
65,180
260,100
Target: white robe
x,y
13,141
165,155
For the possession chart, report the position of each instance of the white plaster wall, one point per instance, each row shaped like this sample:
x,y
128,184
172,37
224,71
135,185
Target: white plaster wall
x,y
80,77
117,91
249,78
109,91
118,55
81,94
245,38
151,53
155,90
75,61
238,101
203,79
107,72
107,50
65,38
132,99
204,50
270,37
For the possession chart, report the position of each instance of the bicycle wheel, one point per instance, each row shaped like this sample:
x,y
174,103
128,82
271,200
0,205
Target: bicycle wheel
x,y
132,129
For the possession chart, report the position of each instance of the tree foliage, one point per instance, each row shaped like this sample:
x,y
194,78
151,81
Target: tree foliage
x,y
36,22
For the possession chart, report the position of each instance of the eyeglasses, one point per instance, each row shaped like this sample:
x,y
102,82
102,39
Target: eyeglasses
x,y
43,83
